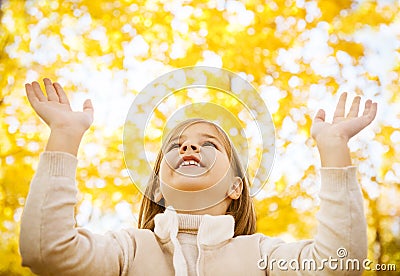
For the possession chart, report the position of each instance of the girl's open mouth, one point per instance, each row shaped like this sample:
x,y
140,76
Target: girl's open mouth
x,y
190,163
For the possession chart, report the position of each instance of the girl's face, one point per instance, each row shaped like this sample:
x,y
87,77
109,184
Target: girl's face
x,y
195,162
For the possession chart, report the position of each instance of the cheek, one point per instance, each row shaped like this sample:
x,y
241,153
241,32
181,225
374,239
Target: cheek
x,y
221,173
222,164
167,163
165,169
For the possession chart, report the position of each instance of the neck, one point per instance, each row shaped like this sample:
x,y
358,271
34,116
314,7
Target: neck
x,y
213,200
216,210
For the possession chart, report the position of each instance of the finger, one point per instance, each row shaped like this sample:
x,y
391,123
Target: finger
x,y
370,116
38,91
32,98
61,94
320,116
340,108
51,92
354,126
355,106
367,107
88,106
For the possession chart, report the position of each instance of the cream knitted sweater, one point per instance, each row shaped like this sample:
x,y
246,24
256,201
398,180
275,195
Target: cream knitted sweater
x,y
50,244
187,237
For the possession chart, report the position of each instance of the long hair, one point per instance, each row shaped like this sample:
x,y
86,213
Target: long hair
x,y
241,209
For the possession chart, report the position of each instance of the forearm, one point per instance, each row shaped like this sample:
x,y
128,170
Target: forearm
x,y
334,152
49,242
342,222
48,207
64,140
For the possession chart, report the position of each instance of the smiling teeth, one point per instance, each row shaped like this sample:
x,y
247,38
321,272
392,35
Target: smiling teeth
x,y
191,162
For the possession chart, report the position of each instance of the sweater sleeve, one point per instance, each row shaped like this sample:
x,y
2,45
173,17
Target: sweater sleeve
x,y
340,244
49,242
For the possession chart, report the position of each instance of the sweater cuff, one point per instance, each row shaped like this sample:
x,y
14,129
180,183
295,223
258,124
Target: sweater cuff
x,y
336,179
55,163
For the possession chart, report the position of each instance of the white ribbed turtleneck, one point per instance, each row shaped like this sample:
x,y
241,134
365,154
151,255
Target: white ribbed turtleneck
x,y
187,237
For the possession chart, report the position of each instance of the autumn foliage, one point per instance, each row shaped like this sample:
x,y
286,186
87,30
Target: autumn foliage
x,y
299,55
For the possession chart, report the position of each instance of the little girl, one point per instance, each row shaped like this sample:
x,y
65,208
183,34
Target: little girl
x,y
208,227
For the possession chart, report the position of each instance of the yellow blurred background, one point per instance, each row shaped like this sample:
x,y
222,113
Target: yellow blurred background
x,y
299,55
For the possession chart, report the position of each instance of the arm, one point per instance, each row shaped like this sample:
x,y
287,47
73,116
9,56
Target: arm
x,y
341,219
341,224
49,242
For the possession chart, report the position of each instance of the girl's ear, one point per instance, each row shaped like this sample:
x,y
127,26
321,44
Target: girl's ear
x,y
157,195
235,190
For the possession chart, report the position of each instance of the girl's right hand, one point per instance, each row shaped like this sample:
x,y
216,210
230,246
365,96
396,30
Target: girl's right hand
x,y
55,109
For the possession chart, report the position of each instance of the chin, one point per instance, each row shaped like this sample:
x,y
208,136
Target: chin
x,y
190,185
190,194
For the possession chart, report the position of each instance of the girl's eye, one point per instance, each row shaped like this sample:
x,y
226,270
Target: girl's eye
x,y
209,144
173,146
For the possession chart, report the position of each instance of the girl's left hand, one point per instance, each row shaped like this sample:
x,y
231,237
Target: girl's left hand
x,y
343,127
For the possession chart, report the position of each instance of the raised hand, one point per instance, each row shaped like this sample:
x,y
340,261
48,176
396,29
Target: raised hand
x,y
55,109
332,137
67,126
343,126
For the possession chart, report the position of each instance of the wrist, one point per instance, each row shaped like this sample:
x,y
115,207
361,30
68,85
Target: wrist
x,y
334,151
64,140
331,141
68,131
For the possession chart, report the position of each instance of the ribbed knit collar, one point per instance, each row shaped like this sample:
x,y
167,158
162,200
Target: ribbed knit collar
x,y
211,230
189,223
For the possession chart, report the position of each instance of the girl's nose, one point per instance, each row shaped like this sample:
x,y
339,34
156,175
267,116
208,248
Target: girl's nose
x,y
188,146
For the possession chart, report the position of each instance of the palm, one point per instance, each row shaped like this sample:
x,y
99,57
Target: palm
x,y
341,126
55,110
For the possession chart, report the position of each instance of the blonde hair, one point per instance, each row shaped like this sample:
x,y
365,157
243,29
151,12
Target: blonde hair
x,y
241,209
